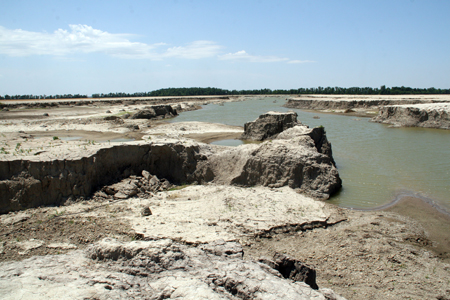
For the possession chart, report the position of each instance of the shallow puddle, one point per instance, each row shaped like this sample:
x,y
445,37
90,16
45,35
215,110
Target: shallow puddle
x,y
69,138
232,143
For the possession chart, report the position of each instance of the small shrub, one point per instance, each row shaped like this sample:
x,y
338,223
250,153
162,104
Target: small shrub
x,y
180,187
55,138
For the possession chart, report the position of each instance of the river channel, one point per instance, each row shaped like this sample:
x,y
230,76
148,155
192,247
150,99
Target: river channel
x,y
377,163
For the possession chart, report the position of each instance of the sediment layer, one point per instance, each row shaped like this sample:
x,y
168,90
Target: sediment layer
x,y
25,183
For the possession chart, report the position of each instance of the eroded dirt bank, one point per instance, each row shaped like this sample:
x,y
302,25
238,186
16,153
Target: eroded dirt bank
x,y
360,105
25,183
298,157
295,161
420,115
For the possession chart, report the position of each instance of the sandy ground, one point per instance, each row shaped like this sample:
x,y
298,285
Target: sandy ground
x,y
27,134
397,254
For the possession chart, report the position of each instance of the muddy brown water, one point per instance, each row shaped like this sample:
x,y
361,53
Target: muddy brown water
x,y
376,162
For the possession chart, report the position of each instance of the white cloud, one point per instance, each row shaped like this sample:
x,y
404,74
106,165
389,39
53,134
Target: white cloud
x,y
85,39
197,49
244,56
300,61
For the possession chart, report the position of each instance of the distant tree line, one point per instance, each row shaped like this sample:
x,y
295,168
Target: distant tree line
x,y
198,91
65,96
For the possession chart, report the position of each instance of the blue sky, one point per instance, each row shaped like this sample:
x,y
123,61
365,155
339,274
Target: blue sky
x,y
68,47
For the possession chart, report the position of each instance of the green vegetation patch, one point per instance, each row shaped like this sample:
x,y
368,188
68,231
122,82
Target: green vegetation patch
x,y
179,187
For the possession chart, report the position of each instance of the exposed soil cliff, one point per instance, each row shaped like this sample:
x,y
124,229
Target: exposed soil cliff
x,y
25,183
331,104
420,115
299,162
325,104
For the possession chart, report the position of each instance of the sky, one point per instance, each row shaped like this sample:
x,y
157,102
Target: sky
x,y
85,47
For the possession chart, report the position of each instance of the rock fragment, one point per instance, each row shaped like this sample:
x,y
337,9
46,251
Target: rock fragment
x,y
62,246
29,245
146,175
300,157
13,219
146,211
134,186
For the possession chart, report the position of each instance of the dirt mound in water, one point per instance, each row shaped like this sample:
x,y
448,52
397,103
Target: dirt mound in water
x,y
269,125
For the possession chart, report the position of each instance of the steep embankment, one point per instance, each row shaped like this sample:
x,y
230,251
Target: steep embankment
x,y
30,183
299,161
419,115
330,104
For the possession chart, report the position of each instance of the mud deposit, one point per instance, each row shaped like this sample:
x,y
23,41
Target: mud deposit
x,y
373,255
44,232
